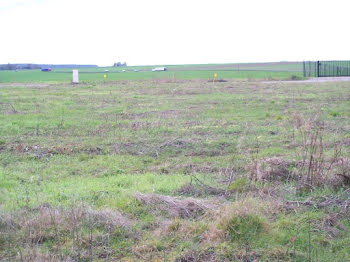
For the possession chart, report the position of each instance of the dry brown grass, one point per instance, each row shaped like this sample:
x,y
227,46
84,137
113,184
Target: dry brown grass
x,y
176,206
270,169
219,229
328,172
199,255
201,190
28,229
333,226
315,164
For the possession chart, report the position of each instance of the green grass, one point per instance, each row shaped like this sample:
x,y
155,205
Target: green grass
x,y
56,77
96,144
224,71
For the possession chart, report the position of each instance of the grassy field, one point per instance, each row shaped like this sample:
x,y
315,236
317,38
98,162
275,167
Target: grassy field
x,y
169,169
226,71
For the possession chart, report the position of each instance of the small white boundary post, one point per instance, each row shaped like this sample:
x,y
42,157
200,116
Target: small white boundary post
x,y
75,77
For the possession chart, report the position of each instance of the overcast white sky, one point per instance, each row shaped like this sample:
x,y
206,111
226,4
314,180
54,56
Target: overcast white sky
x,y
172,32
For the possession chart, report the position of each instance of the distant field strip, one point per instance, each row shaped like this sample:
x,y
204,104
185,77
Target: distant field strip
x,y
274,67
263,71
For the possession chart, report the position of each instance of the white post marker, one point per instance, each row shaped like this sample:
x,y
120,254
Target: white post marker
x,y
75,76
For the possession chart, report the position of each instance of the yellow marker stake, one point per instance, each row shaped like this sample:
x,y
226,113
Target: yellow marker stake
x,y
105,76
215,75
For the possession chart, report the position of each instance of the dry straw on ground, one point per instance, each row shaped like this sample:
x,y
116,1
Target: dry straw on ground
x,y
176,206
333,172
35,226
271,169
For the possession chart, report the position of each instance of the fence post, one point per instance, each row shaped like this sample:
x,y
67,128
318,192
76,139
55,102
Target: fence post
x,y
304,70
309,68
318,69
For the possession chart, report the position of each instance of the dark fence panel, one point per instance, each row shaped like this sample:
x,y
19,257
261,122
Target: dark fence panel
x,y
326,68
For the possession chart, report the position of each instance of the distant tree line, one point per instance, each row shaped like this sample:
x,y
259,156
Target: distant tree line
x,y
119,64
18,66
67,66
39,66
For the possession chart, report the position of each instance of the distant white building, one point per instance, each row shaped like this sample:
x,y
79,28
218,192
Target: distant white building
x,y
158,69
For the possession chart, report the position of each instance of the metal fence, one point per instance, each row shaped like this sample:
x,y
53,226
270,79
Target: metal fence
x,y
326,68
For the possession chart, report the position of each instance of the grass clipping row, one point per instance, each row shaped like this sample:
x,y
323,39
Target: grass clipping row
x,y
175,206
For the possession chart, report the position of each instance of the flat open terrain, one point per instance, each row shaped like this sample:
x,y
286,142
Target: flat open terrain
x,y
267,71
169,169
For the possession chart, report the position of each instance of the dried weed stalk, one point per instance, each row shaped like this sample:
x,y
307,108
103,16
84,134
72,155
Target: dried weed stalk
x,y
314,166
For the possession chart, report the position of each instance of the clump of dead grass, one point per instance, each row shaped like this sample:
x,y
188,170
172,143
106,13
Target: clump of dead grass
x,y
198,255
315,164
60,227
201,190
270,169
217,80
176,206
333,226
332,172
45,216
341,202
243,219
